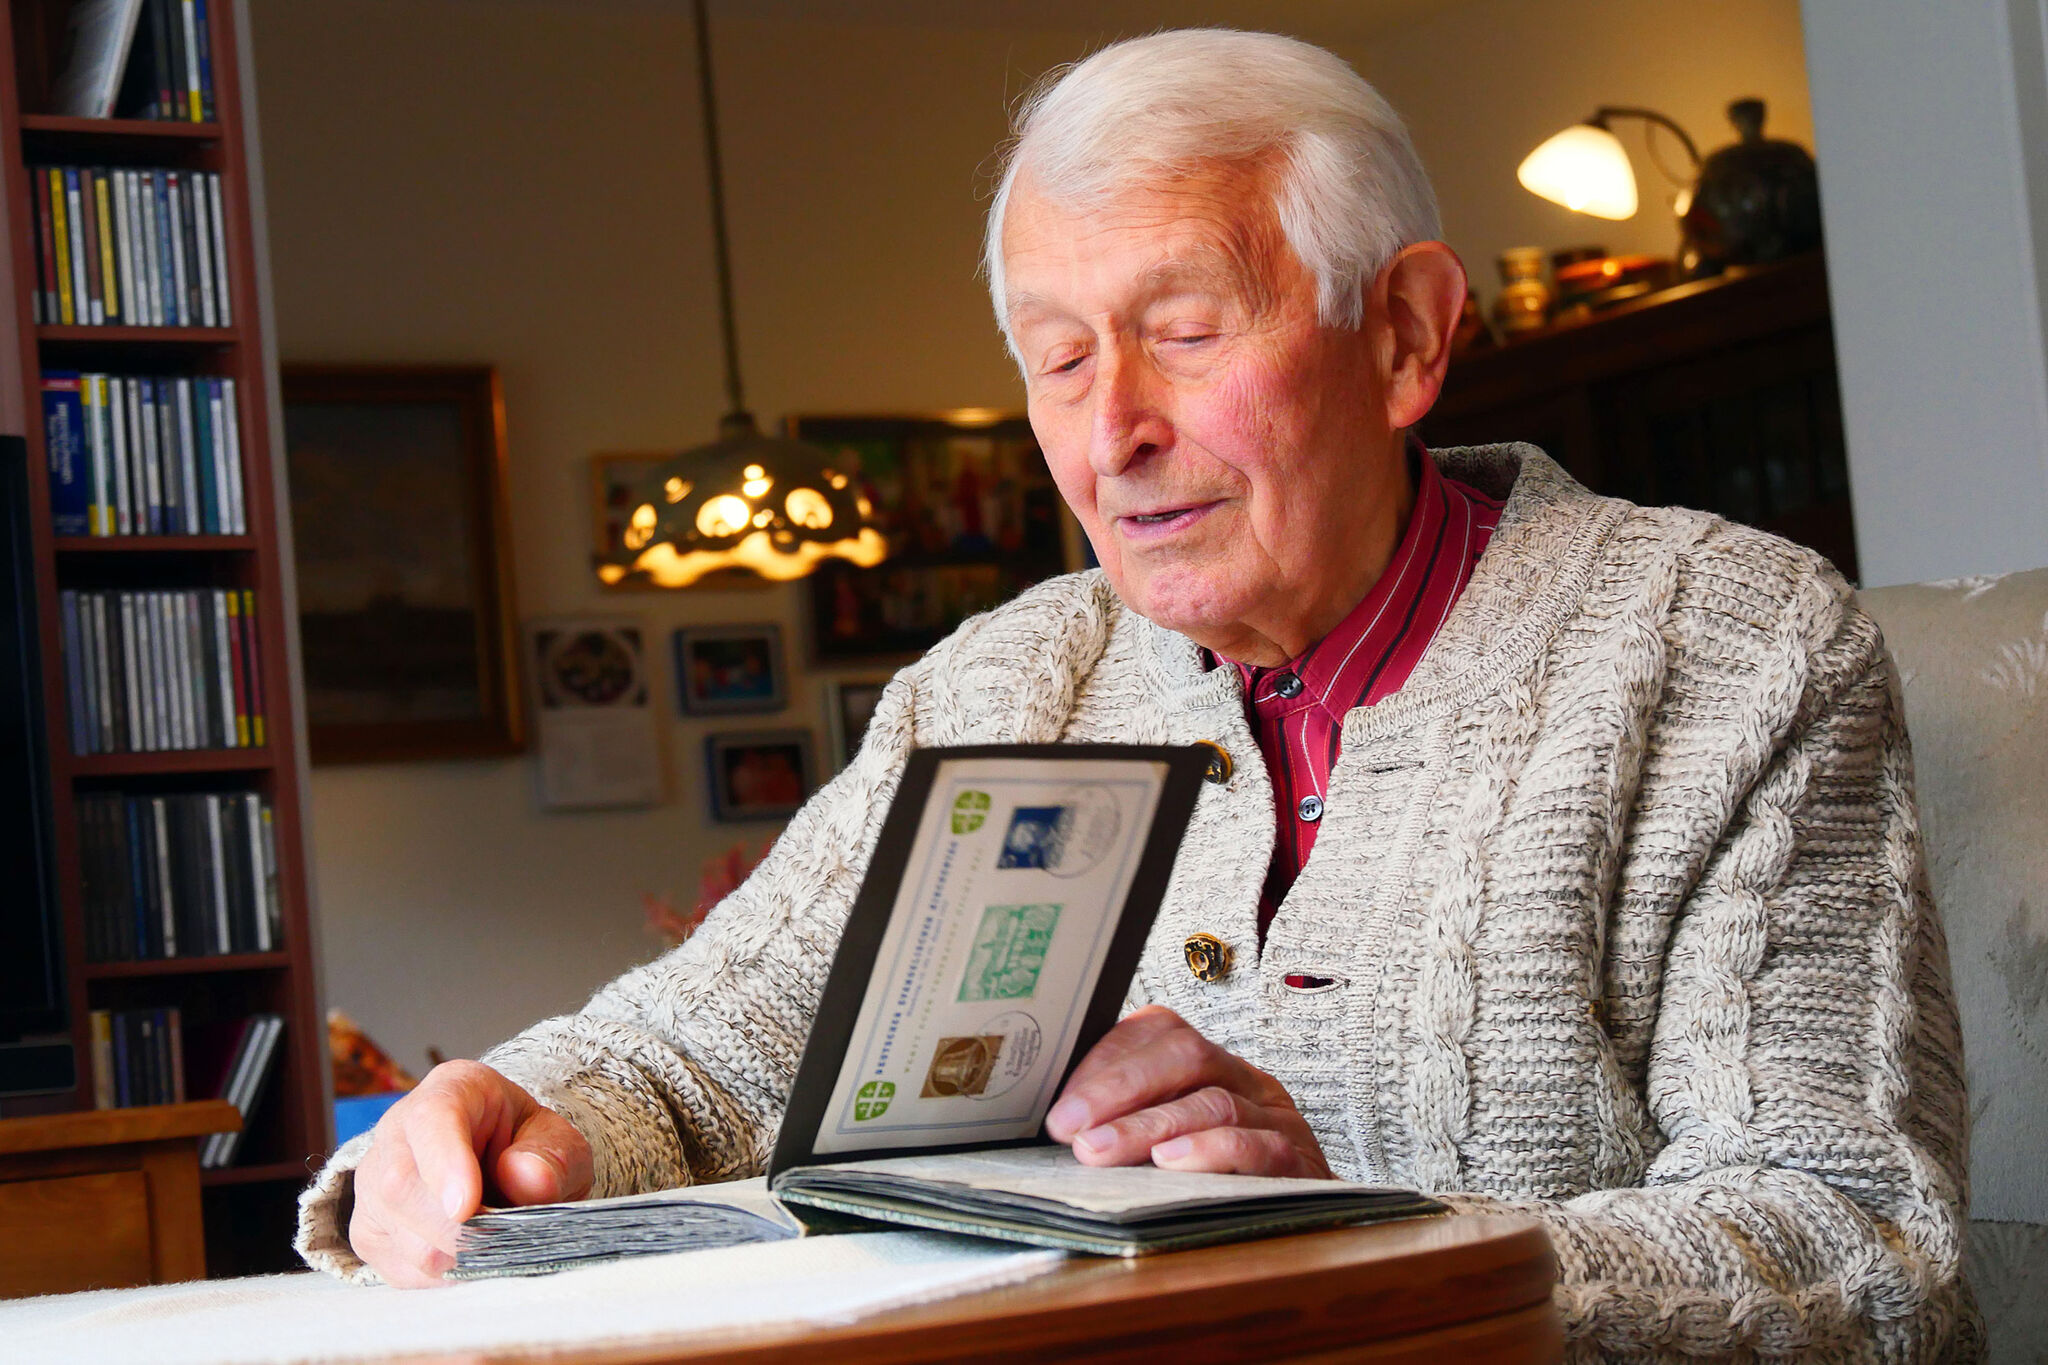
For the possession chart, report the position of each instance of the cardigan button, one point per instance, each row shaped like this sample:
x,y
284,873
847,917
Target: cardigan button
x,y
1220,767
1208,957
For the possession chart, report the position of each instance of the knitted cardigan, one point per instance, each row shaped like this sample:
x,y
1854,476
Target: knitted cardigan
x,y
1621,896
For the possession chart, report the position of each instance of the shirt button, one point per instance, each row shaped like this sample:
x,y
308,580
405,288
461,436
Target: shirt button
x,y
1311,808
1220,767
1287,685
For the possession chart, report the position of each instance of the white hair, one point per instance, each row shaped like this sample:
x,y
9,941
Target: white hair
x,y
1349,190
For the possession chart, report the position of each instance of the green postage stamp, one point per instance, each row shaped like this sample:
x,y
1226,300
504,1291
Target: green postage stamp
x,y
1009,952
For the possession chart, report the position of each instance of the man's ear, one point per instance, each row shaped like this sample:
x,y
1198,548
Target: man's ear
x,y
1418,297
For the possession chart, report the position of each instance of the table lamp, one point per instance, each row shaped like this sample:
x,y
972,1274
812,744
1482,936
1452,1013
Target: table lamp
x,y
1749,203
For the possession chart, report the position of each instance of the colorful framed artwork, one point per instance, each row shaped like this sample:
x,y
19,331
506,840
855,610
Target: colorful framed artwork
x,y
971,515
849,706
758,774
725,670
401,543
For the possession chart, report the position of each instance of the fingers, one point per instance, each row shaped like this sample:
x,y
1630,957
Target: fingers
x,y
1151,1057
1239,1151
1128,1141
548,1161
423,1175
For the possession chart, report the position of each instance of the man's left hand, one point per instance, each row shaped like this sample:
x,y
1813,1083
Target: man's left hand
x,y
1155,1090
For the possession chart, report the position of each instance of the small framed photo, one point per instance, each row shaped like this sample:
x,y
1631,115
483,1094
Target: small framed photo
x,y
849,706
727,670
758,774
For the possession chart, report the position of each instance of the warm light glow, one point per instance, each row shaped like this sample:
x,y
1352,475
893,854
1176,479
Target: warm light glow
x,y
754,488
975,417
676,489
724,515
1585,169
807,508
670,569
754,471
764,516
640,529
835,478
866,508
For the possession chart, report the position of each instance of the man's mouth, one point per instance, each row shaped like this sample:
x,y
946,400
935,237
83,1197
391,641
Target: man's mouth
x,y
1164,521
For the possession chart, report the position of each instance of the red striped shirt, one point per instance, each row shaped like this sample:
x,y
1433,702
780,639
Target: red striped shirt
x,y
1297,709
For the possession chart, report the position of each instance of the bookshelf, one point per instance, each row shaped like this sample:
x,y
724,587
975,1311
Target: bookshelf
x,y
248,1206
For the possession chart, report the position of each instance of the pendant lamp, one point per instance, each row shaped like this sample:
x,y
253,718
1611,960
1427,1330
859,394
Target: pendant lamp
x,y
748,501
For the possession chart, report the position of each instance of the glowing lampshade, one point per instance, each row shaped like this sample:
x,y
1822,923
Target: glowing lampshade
x,y
1584,169
746,501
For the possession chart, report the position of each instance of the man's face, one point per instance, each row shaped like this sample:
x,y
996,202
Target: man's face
x,y
1216,441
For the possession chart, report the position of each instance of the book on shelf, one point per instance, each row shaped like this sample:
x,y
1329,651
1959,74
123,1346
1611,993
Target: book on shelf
x,y
167,74
143,455
190,874
129,247
99,36
250,1063
991,944
161,669
138,1057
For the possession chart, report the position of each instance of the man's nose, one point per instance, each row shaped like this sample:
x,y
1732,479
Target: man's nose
x,y
1130,421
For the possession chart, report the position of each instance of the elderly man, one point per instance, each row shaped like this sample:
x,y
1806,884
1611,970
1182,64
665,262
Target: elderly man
x,y
1563,852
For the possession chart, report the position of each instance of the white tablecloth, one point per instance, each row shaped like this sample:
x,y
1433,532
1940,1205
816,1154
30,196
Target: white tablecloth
x,y
307,1317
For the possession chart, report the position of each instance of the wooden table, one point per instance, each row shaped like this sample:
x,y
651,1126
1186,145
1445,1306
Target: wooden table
x,y
105,1198
1446,1291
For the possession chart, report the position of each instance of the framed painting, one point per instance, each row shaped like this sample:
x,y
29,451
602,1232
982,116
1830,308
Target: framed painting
x,y
406,615
971,515
758,774
849,706
725,670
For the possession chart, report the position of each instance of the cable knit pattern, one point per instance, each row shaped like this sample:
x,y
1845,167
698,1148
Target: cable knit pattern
x,y
1621,894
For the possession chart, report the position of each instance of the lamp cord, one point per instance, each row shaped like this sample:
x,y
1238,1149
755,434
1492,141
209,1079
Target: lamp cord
x,y
1655,120
734,395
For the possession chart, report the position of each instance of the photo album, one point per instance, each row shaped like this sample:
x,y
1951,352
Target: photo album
x,y
992,943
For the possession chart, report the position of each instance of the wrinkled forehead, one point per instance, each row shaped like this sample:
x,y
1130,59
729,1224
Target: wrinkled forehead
x,y
1214,232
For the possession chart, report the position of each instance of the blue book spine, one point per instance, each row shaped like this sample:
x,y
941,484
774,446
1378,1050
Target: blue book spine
x,y
74,671
71,490
205,44
174,305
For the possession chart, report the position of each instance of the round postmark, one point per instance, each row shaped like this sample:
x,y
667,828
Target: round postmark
x,y
1022,1042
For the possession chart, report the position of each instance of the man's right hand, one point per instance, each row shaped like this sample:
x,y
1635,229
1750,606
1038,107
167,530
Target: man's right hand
x,y
424,1172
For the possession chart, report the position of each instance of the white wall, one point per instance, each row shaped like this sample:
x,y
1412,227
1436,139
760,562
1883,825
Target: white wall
x,y
1935,254
519,182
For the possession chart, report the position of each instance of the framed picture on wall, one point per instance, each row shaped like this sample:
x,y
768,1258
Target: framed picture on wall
x,y
724,670
406,616
849,706
971,515
614,475
758,774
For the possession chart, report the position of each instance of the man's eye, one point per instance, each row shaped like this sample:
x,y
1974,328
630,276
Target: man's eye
x,y
1067,366
1190,338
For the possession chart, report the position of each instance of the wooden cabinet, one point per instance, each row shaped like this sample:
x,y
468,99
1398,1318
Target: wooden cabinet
x,y
1719,394
104,1200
